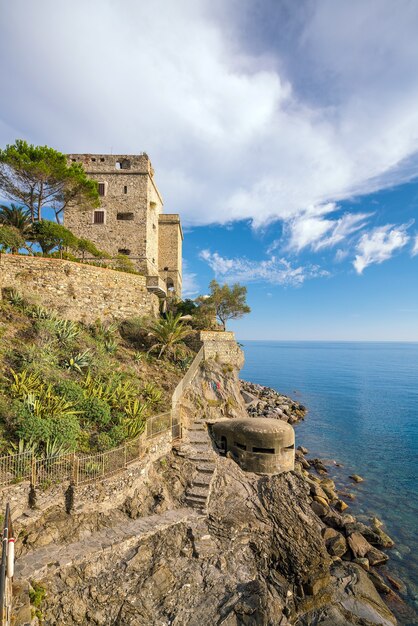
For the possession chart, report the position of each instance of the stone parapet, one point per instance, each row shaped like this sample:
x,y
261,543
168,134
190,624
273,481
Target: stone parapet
x,y
77,291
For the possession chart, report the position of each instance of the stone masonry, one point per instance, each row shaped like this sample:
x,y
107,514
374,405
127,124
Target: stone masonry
x,y
77,291
130,220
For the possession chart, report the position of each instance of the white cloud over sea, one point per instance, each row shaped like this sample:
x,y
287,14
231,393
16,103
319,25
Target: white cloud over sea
x,y
277,271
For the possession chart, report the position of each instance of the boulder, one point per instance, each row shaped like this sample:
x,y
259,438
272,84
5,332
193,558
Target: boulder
x,y
356,478
336,545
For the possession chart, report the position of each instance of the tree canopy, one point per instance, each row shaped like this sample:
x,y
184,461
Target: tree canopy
x,y
39,176
227,302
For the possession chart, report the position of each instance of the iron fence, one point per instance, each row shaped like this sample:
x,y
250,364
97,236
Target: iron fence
x,y
79,469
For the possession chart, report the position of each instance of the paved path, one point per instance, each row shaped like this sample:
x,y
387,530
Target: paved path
x,y
46,560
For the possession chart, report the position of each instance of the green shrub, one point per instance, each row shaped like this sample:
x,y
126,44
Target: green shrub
x,y
30,427
118,434
104,442
71,391
65,431
96,410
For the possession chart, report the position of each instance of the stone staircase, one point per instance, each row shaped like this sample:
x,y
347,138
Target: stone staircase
x,y
196,447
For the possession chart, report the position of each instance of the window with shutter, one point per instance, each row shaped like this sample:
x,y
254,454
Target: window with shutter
x,y
102,189
99,217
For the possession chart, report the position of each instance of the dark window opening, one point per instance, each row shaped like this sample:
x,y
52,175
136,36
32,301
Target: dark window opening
x,y
264,450
102,189
166,269
125,216
154,227
223,445
292,447
102,160
241,446
99,217
94,160
73,160
125,189
124,251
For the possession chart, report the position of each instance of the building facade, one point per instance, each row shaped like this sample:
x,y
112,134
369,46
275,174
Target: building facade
x,y
130,219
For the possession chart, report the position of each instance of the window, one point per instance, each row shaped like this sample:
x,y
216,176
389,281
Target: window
x,y
124,251
264,450
99,217
102,160
94,160
241,446
125,216
123,165
102,189
125,189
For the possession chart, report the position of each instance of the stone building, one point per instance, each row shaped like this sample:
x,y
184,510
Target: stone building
x,y
130,218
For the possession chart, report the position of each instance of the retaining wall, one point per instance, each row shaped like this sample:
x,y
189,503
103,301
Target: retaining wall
x,y
76,291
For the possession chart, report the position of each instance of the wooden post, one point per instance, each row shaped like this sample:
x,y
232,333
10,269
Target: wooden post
x,y
33,470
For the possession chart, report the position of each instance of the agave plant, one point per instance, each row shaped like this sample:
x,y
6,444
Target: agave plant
x,y
110,345
78,361
152,393
168,332
14,298
48,405
55,448
136,418
40,313
104,330
139,357
66,330
25,383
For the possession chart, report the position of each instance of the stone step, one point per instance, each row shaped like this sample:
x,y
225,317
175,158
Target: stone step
x,y
209,468
198,427
200,456
197,435
196,503
202,480
198,492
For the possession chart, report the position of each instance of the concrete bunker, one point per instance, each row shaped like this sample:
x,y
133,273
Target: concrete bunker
x,y
262,445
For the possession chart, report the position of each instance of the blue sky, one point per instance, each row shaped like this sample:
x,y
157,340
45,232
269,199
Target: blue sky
x,y
284,133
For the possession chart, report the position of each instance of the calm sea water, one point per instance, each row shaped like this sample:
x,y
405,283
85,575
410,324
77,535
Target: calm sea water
x,y
363,412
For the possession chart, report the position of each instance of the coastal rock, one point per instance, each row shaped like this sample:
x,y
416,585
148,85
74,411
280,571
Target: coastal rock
x,y
341,506
356,478
263,401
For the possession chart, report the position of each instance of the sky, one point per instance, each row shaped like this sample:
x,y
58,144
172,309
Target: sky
x,y
284,133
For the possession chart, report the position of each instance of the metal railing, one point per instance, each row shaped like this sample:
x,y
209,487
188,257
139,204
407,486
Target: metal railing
x,y
6,570
79,469
82,469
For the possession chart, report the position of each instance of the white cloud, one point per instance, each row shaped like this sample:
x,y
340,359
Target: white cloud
x,y
415,248
232,133
272,270
190,282
379,245
311,229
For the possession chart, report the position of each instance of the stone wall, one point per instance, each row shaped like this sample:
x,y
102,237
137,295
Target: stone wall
x,y
76,291
222,347
105,494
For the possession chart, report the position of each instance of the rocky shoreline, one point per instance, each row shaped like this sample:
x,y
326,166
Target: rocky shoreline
x,y
261,401
345,537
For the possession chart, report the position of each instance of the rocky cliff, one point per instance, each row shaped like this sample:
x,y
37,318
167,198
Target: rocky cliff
x,y
260,551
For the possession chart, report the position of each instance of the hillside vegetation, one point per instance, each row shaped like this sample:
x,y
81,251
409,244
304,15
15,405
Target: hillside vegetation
x,y
66,386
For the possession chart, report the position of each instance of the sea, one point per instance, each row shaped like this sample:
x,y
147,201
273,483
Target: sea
x,y
362,401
